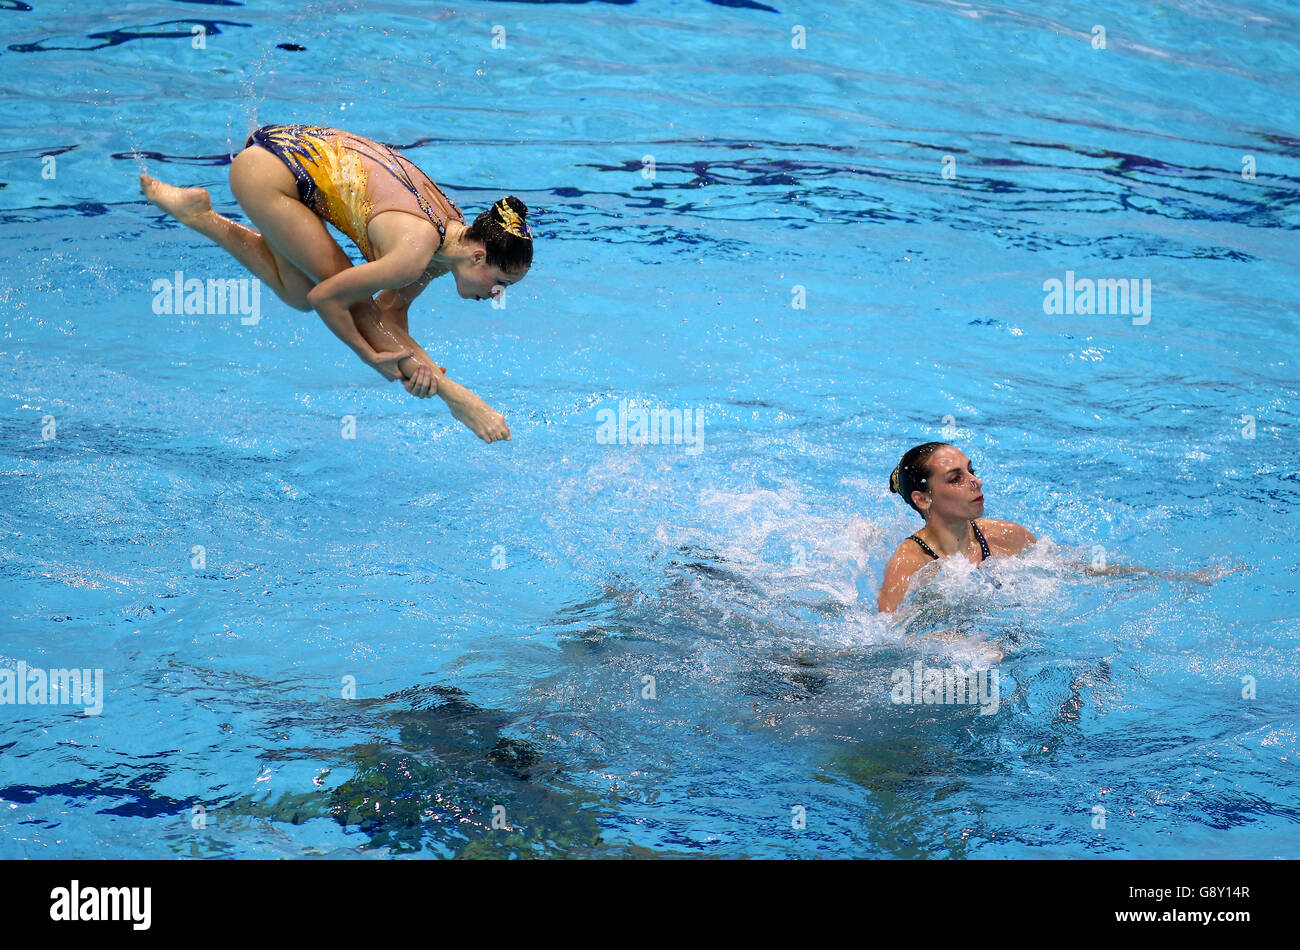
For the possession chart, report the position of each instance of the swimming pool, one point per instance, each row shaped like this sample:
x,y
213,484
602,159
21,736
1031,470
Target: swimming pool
x,y
330,622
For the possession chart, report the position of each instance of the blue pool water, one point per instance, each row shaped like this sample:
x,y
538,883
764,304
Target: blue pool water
x,y
357,647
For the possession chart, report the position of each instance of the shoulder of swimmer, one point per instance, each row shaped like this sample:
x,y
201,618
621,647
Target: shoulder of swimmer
x,y
907,560
403,235
1005,537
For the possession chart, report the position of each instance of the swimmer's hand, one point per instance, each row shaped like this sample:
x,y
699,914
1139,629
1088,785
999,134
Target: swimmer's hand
x,y
484,421
423,382
385,364
1208,575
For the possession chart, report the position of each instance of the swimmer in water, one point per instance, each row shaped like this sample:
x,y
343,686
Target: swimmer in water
x,y
291,179
940,483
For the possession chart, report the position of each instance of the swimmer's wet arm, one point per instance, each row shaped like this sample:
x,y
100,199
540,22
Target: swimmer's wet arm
x,y
898,577
334,298
1205,575
421,377
390,318
384,327
385,330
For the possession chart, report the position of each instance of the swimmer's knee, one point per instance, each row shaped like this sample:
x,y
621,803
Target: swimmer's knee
x,y
297,300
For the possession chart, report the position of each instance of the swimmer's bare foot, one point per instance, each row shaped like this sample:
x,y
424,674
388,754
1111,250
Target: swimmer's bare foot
x,y
484,421
481,419
186,205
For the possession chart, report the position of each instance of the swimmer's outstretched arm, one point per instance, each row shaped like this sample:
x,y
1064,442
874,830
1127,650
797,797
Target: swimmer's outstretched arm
x,y
1016,539
1206,575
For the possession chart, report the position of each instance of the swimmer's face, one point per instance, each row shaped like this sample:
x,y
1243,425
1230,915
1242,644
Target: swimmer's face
x,y
479,280
955,493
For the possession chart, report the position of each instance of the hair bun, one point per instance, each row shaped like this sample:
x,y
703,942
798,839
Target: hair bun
x,y
509,214
514,204
893,481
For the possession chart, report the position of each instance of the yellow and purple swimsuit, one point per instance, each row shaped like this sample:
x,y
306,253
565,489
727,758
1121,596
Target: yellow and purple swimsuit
x,y
336,175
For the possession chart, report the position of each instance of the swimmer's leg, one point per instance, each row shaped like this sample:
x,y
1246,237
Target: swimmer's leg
x,y
291,254
193,208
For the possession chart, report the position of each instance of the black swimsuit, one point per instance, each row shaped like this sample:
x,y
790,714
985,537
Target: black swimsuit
x,y
984,548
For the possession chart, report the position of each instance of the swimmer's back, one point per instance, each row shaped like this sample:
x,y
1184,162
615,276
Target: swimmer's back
x,y
348,179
